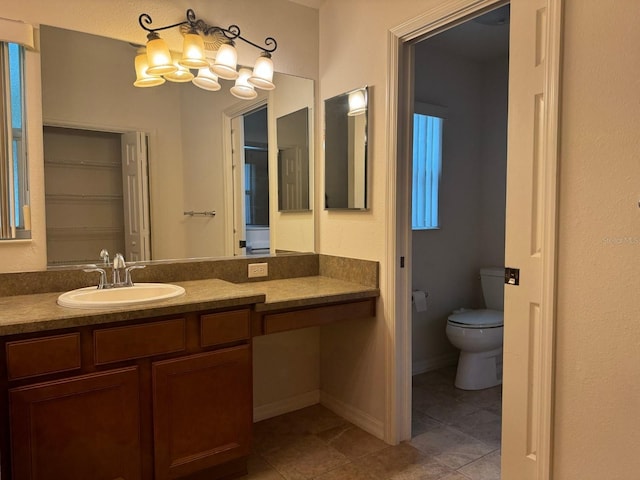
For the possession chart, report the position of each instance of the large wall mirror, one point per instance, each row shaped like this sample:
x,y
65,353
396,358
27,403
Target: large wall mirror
x,y
15,219
345,160
176,142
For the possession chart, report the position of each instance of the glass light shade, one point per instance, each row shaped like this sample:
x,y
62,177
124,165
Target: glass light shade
x,y
263,73
143,79
357,103
181,75
243,89
207,80
226,61
159,57
193,52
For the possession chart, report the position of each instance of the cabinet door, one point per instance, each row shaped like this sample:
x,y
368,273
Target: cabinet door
x,y
202,411
85,427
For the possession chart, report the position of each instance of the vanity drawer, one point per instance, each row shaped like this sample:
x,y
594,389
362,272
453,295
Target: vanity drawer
x,y
225,327
29,358
138,341
311,317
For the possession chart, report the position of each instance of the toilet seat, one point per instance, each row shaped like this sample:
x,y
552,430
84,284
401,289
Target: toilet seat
x,y
477,319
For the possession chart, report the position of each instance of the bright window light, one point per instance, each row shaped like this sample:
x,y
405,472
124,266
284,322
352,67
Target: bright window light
x,y
427,165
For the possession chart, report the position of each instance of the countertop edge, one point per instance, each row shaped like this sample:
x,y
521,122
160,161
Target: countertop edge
x,y
316,301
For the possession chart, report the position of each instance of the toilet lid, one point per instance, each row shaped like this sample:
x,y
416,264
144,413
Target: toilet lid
x,y
478,318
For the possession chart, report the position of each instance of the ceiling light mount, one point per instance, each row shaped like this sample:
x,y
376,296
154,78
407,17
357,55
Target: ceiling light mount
x,y
200,26
156,63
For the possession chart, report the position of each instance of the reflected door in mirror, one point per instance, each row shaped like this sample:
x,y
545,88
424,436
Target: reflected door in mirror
x,y
293,161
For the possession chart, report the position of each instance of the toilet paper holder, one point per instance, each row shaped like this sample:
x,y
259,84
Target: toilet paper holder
x,y
419,299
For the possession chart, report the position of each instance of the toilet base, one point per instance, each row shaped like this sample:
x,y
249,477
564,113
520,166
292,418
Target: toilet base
x,y
479,370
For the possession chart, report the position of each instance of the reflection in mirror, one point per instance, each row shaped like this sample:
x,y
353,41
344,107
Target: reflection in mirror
x,y
15,217
179,131
256,180
346,150
293,161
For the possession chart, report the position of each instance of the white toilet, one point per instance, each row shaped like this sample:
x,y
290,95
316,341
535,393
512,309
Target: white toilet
x,y
478,334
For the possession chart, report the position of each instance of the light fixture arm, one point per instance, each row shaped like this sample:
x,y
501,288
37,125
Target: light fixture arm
x,y
231,33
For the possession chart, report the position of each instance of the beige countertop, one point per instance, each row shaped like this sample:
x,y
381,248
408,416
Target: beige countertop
x,y
40,312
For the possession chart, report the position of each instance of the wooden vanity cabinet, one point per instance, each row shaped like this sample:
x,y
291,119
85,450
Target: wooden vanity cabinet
x,y
82,427
202,411
161,398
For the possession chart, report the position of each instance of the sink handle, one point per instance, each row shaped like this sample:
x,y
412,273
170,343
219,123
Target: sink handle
x,y
127,274
101,271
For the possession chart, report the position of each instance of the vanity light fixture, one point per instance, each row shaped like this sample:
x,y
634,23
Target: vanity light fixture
x,y
155,63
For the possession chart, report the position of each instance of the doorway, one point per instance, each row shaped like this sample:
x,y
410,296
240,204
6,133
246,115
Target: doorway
x,y
249,139
96,195
458,215
531,225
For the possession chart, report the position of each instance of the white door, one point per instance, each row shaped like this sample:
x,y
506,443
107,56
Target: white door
x,y
237,168
135,197
530,233
291,185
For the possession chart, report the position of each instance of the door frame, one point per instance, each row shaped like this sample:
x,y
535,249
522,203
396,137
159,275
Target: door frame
x,y
398,235
237,110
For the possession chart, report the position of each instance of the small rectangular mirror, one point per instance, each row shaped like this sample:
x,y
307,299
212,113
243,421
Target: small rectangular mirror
x,y
293,161
346,150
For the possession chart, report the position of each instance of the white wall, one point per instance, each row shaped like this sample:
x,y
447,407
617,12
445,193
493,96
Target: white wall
x,y
446,261
597,381
291,230
493,146
597,428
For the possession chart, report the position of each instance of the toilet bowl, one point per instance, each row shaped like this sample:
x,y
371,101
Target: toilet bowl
x,y
479,336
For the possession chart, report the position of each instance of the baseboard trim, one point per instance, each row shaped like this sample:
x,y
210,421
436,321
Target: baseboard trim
x,y
354,415
422,366
285,406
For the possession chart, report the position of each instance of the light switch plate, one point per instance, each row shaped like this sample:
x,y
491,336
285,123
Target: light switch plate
x,y
258,270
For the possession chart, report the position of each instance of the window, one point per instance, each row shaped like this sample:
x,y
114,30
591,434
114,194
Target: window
x,y
13,172
427,164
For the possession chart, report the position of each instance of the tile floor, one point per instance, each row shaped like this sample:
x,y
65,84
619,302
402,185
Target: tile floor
x,y
456,436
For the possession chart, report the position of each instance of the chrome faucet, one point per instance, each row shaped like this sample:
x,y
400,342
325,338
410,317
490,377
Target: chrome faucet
x,y
104,255
118,265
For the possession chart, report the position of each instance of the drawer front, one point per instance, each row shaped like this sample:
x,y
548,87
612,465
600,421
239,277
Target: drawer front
x,y
138,341
310,317
40,356
225,327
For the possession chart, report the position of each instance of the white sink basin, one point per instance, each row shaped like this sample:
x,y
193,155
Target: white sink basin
x,y
91,297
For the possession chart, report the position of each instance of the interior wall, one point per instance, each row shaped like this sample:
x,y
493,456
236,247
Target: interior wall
x,y
493,171
353,358
597,375
292,230
444,261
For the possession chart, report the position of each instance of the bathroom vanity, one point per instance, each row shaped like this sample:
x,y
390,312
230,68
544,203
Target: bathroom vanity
x,y
154,391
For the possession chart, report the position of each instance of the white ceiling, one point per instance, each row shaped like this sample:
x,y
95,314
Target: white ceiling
x,y
482,38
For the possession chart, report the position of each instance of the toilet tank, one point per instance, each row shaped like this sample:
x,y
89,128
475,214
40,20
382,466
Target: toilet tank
x,y
492,281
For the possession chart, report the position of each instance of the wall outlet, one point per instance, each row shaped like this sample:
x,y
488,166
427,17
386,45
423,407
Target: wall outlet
x,y
258,270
